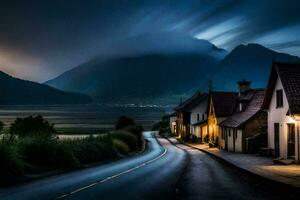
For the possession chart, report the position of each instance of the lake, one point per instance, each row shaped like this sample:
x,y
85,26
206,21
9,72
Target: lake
x,y
86,117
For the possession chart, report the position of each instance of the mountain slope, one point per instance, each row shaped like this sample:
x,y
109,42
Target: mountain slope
x,y
163,43
15,91
143,79
251,62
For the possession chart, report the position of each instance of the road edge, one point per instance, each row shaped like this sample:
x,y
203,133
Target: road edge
x,y
245,171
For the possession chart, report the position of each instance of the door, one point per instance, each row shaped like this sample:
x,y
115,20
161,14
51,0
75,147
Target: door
x,y
291,141
276,140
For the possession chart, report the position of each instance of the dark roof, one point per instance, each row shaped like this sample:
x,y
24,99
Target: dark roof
x,y
289,74
192,102
224,103
255,99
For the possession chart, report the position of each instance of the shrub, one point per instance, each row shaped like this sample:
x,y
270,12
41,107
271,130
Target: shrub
x,y
11,163
93,149
121,147
136,130
42,153
124,122
162,126
128,138
32,126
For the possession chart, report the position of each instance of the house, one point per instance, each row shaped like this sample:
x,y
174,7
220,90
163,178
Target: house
x,y
189,113
198,117
172,122
282,100
245,130
220,106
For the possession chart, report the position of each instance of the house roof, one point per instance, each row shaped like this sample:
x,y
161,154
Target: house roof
x,y
255,99
224,103
189,104
289,74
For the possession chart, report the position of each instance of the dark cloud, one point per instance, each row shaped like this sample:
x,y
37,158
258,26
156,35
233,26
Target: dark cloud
x,y
41,39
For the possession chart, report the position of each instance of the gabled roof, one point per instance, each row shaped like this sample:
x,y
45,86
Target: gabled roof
x,y
255,100
224,103
192,102
289,74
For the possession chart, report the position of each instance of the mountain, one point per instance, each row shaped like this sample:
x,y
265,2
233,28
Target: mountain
x,y
166,76
16,91
152,68
143,79
250,62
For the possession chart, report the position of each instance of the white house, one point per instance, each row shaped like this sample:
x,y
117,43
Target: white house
x,y
199,118
190,114
282,100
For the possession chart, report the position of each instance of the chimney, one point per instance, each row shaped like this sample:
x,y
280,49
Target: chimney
x,y
244,87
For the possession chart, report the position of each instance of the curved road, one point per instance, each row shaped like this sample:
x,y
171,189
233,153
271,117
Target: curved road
x,y
164,171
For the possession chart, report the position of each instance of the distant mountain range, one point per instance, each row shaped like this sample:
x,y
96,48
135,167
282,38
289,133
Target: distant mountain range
x,y
171,68
15,91
165,78
250,62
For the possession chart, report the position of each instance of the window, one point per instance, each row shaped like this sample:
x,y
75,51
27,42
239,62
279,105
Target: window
x,y
279,98
235,134
202,117
198,117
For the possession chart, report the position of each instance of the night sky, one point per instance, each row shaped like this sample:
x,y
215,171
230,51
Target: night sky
x,y
41,39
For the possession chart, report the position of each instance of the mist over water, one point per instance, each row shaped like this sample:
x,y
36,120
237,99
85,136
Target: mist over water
x,y
85,117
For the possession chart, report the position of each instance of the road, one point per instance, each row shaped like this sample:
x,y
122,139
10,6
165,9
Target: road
x,y
166,170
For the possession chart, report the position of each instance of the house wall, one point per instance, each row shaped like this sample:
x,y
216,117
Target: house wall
x,y
239,141
201,110
172,124
230,146
278,115
234,139
222,140
204,132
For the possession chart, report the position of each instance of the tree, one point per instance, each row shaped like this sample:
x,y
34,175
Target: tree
x,y
124,122
32,126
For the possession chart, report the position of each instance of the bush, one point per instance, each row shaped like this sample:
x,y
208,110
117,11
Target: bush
x,y
136,130
93,149
124,122
42,153
162,126
128,138
121,147
32,126
11,163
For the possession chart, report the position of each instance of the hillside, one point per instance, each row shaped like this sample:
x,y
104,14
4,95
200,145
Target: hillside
x,y
16,91
250,62
143,79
